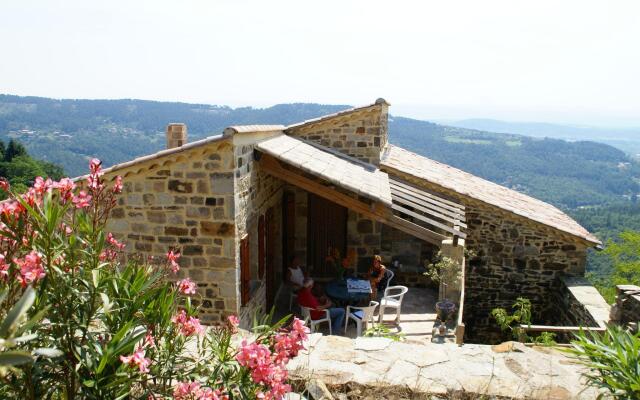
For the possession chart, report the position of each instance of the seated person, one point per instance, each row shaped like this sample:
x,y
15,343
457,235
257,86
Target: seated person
x,y
377,276
307,299
295,274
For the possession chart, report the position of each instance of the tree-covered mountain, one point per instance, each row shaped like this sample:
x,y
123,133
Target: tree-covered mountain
x,y
596,183
68,132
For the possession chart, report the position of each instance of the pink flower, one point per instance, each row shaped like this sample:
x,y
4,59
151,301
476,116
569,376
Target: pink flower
x,y
82,200
65,186
94,182
194,391
10,208
41,186
4,184
30,268
187,286
234,322
173,258
149,340
187,325
137,359
117,186
95,166
112,241
4,268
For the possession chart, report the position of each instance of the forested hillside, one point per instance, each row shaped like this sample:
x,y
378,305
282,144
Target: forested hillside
x,y
67,132
596,183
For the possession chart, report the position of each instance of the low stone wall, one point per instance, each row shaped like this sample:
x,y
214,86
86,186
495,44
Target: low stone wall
x,y
627,307
578,303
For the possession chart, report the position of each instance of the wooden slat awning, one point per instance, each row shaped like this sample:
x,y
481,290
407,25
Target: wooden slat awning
x,y
364,188
427,208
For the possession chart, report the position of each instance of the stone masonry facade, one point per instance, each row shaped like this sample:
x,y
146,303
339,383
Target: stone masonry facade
x,y
361,134
204,198
514,257
185,201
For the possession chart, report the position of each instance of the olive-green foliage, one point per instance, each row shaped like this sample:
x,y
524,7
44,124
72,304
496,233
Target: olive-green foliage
x,y
20,169
613,359
521,315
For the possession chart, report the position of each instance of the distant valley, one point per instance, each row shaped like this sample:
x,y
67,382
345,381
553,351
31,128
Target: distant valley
x,y
626,139
596,183
568,174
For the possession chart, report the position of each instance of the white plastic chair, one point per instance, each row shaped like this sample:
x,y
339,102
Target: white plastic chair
x,y
390,300
391,274
306,314
362,318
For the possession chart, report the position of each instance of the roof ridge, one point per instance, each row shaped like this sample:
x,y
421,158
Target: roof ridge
x,y
379,102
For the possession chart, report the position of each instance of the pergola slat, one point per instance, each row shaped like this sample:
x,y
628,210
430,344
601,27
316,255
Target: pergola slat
x,y
399,183
454,221
429,221
420,195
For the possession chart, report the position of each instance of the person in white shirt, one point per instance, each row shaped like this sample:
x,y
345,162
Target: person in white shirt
x,y
296,275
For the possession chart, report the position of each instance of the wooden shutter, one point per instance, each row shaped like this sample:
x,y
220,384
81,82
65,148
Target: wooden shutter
x,y
261,255
245,270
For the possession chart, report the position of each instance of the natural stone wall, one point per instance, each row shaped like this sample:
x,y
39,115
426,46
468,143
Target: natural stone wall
x,y
413,253
578,303
360,133
627,307
515,257
255,193
184,201
363,236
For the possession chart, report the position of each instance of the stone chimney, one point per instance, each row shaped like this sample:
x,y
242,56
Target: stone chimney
x,y
176,135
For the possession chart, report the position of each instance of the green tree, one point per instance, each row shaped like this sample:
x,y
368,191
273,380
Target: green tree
x,y
14,149
626,258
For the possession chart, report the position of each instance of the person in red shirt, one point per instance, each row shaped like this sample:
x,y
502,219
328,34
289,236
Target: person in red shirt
x,y
307,299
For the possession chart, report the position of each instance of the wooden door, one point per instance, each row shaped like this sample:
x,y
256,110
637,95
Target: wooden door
x,y
288,231
326,228
261,249
245,271
270,241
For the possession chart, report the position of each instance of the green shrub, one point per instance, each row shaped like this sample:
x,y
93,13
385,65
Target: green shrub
x,y
613,359
80,323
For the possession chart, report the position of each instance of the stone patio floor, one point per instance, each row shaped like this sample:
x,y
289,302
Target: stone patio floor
x,y
416,319
429,368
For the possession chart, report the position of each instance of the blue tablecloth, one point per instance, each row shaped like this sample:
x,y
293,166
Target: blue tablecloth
x,y
337,290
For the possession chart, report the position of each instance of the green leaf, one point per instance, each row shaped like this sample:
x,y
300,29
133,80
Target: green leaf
x,y
48,352
15,358
95,275
21,307
106,303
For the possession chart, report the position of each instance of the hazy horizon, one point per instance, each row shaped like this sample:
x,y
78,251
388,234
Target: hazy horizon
x,y
565,62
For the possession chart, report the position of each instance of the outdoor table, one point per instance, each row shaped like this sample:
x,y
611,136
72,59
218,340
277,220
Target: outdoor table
x,y
337,291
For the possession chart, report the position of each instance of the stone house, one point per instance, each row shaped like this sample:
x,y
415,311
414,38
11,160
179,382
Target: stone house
x,y
240,205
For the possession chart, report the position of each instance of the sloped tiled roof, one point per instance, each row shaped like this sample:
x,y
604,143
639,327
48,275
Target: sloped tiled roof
x,y
337,168
469,185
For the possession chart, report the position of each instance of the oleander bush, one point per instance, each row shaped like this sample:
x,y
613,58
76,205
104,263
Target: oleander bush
x,y
79,322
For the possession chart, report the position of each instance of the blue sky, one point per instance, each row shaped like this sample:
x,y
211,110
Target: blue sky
x,y
556,61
